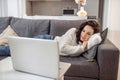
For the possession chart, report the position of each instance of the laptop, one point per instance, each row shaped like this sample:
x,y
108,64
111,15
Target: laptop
x,y
35,56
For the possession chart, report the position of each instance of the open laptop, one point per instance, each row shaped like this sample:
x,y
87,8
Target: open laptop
x,y
36,56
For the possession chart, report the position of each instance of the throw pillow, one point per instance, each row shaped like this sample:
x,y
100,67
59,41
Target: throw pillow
x,y
92,46
4,35
94,39
104,34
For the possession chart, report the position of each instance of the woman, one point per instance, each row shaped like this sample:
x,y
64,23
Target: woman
x,y
74,41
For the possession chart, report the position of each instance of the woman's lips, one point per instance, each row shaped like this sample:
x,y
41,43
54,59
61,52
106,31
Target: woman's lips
x,y
83,38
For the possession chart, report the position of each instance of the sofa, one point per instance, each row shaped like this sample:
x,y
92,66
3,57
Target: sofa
x,y
105,65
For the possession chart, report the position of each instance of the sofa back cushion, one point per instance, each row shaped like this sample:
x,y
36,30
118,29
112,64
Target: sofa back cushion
x,y
4,22
59,27
29,27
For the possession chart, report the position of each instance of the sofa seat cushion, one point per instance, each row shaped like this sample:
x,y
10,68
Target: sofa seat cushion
x,y
78,78
80,67
29,27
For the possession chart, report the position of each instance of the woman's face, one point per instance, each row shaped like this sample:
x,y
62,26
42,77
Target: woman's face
x,y
86,33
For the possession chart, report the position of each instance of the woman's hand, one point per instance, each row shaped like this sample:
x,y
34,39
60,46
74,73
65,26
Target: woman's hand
x,y
85,44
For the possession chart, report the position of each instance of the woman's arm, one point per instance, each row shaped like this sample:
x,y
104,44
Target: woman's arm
x,y
68,43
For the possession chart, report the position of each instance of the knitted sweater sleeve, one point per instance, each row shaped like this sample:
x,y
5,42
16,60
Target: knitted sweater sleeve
x,y
68,45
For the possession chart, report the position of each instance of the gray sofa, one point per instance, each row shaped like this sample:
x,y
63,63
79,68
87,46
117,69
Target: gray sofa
x,y
105,66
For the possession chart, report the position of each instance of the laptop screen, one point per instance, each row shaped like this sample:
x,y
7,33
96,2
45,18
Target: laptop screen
x,y
36,56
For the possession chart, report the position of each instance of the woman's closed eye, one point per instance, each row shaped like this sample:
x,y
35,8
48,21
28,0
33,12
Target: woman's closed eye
x,y
83,30
89,34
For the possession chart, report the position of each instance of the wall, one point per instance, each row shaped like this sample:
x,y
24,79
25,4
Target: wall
x,y
0,8
112,21
54,8
17,8
3,8
11,8
105,13
112,13
14,8
49,8
92,7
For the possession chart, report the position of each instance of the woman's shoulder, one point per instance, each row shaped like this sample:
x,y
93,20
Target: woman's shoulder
x,y
72,30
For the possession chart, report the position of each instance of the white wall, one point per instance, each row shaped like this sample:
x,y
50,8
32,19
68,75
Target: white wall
x,y
3,8
111,20
115,15
0,8
105,13
14,8
11,8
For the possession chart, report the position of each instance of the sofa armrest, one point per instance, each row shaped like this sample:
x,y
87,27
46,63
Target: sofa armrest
x,y
108,60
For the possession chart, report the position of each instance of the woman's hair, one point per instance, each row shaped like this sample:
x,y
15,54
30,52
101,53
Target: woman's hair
x,y
95,25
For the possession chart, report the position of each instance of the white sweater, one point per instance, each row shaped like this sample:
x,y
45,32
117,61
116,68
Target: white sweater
x,y
68,46
67,43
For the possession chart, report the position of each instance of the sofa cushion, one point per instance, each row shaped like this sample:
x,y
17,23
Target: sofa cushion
x,y
4,22
29,27
78,78
93,40
91,53
104,35
92,46
59,27
80,67
5,34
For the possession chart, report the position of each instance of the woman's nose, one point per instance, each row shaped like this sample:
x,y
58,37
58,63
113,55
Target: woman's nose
x,y
84,35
